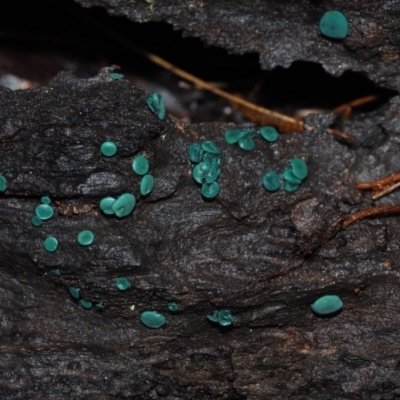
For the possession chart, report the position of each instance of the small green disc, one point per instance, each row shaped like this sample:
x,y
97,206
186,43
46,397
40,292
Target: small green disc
x,y
209,191
45,200
85,238
213,317
50,244
204,171
334,25
210,147
3,183
152,319
56,272
156,105
108,149
106,205
195,152
87,304
173,307
122,284
213,159
290,187
233,135
44,212
246,144
124,205
146,185
140,165
36,221
74,292
225,318
269,133
116,76
327,305
299,168
100,305
290,177
271,181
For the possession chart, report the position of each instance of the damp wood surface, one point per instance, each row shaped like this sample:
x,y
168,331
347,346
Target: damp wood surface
x,y
203,255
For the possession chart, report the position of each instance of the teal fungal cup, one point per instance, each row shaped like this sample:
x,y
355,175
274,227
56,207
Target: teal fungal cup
x,y
87,304
210,190
45,200
100,305
210,147
74,292
195,152
122,284
205,172
334,25
146,185
156,105
213,159
106,205
116,76
108,149
50,244
124,205
173,307
152,319
36,221
299,168
223,318
271,181
290,187
328,304
85,238
140,165
232,136
290,177
3,183
269,133
56,272
44,211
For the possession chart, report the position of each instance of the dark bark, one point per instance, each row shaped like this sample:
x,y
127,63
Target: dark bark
x,y
205,255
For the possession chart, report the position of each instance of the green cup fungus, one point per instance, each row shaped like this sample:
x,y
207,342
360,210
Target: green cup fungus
x,y
156,104
195,152
223,318
56,272
327,305
100,305
116,76
44,211
205,172
173,307
122,284
210,190
140,165
290,177
108,148
233,135
213,159
45,200
299,168
50,244
246,142
87,304
124,205
106,205
36,221
271,181
74,292
3,183
334,25
210,147
146,185
152,319
269,133
290,187
85,238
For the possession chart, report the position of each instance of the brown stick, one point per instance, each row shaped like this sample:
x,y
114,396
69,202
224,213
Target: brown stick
x,y
380,183
371,212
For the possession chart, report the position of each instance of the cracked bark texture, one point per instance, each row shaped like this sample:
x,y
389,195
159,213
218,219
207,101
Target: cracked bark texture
x,y
204,255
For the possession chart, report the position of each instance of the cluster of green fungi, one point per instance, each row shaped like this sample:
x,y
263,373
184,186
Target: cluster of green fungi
x,y
208,158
